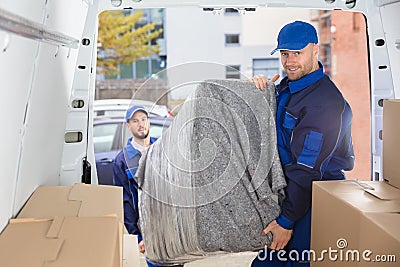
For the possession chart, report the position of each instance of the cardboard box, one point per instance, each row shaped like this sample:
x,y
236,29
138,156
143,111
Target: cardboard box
x,y
356,222
362,217
61,242
79,200
391,141
81,206
130,254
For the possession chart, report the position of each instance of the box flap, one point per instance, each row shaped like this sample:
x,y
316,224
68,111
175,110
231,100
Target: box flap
x,y
388,222
24,243
366,202
49,201
79,200
98,200
391,141
380,190
380,234
338,186
54,230
89,241
62,242
364,196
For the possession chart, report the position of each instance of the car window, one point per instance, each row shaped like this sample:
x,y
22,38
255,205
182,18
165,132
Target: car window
x,y
156,130
103,136
121,113
111,113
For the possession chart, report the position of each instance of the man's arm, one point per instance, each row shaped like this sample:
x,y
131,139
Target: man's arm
x,y
281,236
313,142
120,179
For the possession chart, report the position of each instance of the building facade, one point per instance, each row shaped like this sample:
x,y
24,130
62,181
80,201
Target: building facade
x,y
240,44
345,56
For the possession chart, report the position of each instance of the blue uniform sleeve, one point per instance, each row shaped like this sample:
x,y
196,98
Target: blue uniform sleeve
x,y
120,179
313,142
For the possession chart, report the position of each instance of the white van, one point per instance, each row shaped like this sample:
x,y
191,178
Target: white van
x,y
47,74
118,107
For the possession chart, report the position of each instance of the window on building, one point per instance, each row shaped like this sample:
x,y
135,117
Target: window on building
x,y
141,69
157,66
156,15
231,39
266,66
232,72
327,22
126,71
144,19
325,56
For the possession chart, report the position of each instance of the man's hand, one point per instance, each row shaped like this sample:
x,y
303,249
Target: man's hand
x,y
141,247
261,82
280,235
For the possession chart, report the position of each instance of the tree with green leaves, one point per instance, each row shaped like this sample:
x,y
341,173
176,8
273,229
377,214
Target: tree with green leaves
x,y
119,42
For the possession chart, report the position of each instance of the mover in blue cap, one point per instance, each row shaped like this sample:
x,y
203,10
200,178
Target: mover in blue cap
x,y
296,36
314,141
126,164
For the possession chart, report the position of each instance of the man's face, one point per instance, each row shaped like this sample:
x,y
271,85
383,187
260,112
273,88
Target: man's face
x,y
139,125
300,63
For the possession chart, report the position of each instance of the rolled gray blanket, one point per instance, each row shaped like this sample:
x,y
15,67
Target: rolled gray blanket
x,y
213,181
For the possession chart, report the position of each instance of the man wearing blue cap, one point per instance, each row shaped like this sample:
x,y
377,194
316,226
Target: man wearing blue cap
x,y
314,141
126,164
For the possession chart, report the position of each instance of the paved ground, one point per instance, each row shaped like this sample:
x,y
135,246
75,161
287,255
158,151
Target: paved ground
x,y
242,259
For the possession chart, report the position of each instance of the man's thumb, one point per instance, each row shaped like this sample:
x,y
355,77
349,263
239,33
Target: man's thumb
x,y
266,230
274,78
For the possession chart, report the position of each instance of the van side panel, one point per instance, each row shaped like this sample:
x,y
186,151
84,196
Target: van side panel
x,y
19,54
390,20
15,80
383,31
36,84
78,118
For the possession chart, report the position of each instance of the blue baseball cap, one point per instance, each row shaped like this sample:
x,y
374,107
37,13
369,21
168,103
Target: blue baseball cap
x,y
132,110
295,36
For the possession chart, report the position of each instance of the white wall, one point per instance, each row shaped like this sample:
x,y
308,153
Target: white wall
x,y
36,81
195,35
262,26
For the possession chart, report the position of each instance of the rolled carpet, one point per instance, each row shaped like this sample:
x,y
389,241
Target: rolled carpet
x,y
213,181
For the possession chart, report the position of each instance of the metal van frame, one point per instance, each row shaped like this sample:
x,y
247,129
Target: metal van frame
x,y
47,65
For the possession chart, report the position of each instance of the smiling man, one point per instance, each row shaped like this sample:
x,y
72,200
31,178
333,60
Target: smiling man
x,y
314,141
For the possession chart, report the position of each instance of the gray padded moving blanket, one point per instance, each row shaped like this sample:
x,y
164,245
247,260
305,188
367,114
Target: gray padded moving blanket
x,y
213,181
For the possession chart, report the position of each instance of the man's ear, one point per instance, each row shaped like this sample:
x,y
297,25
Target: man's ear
x,y
316,49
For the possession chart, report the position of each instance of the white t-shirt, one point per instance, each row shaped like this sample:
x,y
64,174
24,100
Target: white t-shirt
x,y
138,147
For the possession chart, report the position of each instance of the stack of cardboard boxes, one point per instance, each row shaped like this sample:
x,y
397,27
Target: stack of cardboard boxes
x,y
80,225
357,223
